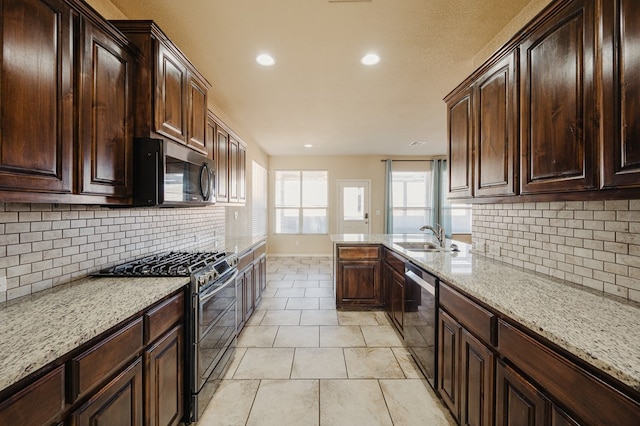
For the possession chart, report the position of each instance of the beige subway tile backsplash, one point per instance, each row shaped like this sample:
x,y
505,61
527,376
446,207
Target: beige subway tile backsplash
x,y
591,243
44,245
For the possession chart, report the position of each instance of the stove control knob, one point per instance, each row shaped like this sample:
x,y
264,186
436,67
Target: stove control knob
x,y
201,280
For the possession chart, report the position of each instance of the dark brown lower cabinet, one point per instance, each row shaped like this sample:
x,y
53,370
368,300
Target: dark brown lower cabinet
x,y
251,281
449,362
358,276
476,381
119,402
518,402
130,376
396,298
164,396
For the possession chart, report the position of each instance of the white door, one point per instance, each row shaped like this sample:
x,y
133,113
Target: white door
x,y
354,206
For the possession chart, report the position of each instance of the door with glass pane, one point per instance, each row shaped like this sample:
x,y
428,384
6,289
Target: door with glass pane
x,y
354,206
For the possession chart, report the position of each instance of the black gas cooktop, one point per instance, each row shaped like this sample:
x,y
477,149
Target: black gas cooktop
x,y
169,264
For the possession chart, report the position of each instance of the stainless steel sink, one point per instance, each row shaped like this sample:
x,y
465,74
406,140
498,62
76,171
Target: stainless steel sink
x,y
423,246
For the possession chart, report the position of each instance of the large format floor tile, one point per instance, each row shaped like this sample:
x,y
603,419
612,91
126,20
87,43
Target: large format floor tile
x,y
298,361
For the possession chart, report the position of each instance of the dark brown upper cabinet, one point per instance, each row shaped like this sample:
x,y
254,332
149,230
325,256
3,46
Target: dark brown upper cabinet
x,y
460,144
570,132
106,108
621,94
170,93
221,157
36,97
495,153
558,118
65,105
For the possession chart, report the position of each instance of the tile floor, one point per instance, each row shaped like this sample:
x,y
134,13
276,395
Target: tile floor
x,y
301,362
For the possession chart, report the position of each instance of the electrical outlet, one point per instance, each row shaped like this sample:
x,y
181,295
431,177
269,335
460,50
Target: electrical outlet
x,y
235,215
3,283
297,242
494,249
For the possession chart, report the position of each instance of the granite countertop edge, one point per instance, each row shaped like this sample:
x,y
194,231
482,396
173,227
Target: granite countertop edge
x,y
590,325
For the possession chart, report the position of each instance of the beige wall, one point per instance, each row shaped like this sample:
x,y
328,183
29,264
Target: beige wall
x,y
107,9
344,167
516,24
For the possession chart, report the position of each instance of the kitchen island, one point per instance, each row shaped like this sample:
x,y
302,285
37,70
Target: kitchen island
x,y
596,329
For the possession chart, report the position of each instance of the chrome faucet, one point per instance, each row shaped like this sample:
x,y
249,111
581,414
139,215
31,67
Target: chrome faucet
x,y
438,231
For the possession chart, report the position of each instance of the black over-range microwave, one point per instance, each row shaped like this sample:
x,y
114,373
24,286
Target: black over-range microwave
x,y
168,174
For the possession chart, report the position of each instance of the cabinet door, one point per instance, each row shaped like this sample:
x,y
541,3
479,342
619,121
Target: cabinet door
x,y
242,174
234,154
559,126
164,384
211,138
247,292
496,130
171,95
240,308
119,402
621,94
263,273
396,298
476,381
106,120
518,402
449,362
36,96
222,164
257,288
197,108
460,147
359,283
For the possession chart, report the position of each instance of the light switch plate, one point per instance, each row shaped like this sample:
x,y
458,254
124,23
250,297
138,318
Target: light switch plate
x,y
3,283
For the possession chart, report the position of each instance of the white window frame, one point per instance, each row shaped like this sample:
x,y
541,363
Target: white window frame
x,y
301,208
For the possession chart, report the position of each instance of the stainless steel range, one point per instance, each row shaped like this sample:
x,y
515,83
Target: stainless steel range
x,y
211,314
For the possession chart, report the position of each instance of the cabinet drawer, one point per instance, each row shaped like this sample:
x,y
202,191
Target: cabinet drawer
x,y
102,360
472,316
260,250
578,390
359,252
245,260
396,262
162,317
38,404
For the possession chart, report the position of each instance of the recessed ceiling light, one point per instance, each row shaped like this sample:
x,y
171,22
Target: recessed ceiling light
x,y
308,145
370,59
265,59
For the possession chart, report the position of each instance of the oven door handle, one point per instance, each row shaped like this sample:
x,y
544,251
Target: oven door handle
x,y
216,289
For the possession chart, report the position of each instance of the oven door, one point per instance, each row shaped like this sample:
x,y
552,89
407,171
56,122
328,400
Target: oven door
x,y
215,327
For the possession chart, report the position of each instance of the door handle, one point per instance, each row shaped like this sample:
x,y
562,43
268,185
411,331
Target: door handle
x,y
366,216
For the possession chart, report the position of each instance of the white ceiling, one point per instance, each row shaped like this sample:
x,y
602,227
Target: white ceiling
x,y
318,92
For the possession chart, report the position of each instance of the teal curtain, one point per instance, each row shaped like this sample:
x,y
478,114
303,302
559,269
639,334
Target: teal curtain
x,y
388,198
441,214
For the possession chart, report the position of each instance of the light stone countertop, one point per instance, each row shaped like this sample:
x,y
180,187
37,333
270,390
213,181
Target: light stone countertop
x,y
596,328
38,329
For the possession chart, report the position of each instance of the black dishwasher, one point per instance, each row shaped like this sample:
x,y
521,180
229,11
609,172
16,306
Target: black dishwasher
x,y
420,319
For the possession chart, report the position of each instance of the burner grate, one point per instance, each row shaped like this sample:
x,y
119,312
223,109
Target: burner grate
x,y
170,264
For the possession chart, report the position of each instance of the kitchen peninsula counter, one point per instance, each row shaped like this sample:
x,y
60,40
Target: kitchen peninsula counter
x,y
598,329
38,329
